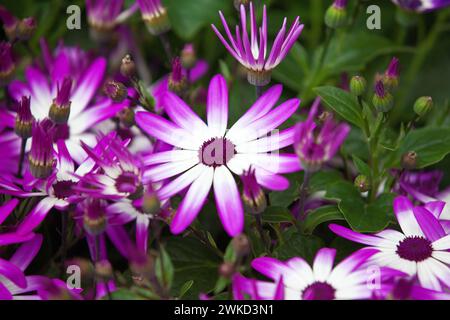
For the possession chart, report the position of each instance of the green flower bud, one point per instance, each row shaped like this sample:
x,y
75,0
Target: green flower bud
x,y
358,85
362,183
382,99
336,15
423,105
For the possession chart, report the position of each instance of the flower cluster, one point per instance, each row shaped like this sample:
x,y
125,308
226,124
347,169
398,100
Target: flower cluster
x,y
136,179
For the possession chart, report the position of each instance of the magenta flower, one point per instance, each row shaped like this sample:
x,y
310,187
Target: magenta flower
x,y
160,88
9,22
421,249
13,282
315,146
83,115
155,16
251,51
7,65
347,280
208,154
407,289
424,187
421,5
11,237
10,144
104,15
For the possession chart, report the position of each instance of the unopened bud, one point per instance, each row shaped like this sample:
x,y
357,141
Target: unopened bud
x,y
128,67
253,196
126,117
177,80
60,109
94,217
358,86
390,77
382,99
116,91
103,269
26,28
188,56
226,270
151,203
362,183
241,245
336,14
423,105
24,119
142,266
409,160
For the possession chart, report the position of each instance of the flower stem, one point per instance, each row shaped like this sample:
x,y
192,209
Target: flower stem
x,y
258,91
166,44
302,195
326,46
22,157
262,234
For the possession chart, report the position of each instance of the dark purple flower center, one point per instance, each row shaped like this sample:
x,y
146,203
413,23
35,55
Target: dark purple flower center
x,y
216,152
319,291
63,189
415,249
127,182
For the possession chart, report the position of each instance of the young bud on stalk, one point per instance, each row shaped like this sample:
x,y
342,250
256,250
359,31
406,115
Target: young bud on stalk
x,y
336,14
116,91
423,105
409,160
362,183
382,99
358,86
128,67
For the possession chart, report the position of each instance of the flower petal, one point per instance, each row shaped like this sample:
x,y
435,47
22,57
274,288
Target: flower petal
x,y
403,209
228,201
429,224
323,263
217,106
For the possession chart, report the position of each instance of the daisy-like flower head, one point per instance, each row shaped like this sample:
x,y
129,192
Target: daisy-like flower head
x,y
118,173
420,249
421,5
84,112
155,16
296,280
315,146
208,154
251,51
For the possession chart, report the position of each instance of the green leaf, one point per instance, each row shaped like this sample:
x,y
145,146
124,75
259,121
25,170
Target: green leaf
x,y
430,144
361,166
192,260
125,294
321,215
293,69
299,245
185,288
188,17
164,269
342,102
221,284
285,198
322,180
230,253
277,215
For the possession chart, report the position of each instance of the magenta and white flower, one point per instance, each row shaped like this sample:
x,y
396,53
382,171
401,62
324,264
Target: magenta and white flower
x,y
296,280
422,248
207,155
251,51
85,111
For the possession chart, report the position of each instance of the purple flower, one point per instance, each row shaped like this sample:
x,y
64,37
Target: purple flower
x,y
41,156
7,65
252,53
83,115
24,121
407,289
11,237
104,15
390,78
252,194
155,16
421,249
421,5
424,187
13,283
9,22
10,144
296,280
160,88
316,146
207,154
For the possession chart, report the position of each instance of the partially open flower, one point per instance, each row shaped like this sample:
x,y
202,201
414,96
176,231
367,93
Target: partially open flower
x,y
154,16
94,217
60,109
116,91
382,99
188,56
253,196
251,52
7,65
177,80
42,155
9,23
390,78
316,145
24,119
